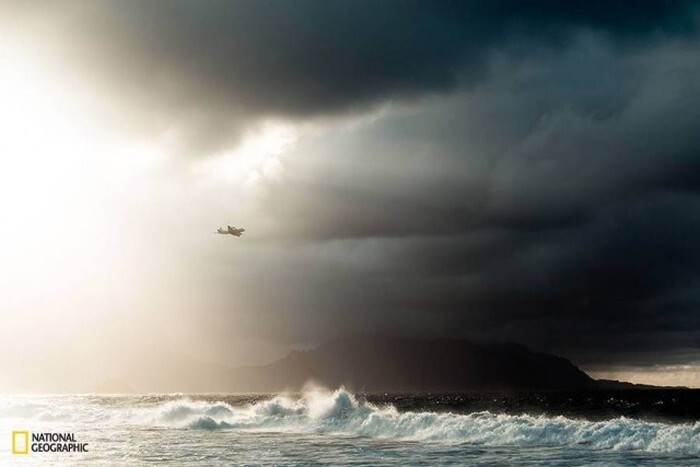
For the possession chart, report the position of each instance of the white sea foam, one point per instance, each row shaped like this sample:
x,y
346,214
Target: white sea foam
x,y
319,411
340,412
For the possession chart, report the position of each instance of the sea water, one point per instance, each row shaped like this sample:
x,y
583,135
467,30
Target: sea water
x,y
339,428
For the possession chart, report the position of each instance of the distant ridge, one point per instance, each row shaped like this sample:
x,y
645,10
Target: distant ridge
x,y
410,365
615,384
113,386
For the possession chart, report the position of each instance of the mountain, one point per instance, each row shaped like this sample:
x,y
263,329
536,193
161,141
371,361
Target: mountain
x,y
409,365
611,384
113,386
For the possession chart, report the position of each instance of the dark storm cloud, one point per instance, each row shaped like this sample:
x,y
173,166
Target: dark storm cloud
x,y
538,180
527,151
203,71
556,204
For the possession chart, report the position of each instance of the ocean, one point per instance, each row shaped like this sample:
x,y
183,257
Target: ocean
x,y
321,427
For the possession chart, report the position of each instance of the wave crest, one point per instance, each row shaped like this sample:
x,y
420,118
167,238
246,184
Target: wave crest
x,y
339,411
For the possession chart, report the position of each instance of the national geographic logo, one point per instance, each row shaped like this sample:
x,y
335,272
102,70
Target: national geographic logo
x,y
22,443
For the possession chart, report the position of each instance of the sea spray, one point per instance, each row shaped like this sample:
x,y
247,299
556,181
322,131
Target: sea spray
x,y
339,411
320,412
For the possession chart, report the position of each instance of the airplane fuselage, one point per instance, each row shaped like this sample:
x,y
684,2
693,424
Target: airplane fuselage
x,y
230,231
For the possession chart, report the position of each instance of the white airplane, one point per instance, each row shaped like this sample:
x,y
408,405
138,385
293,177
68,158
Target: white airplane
x,y
230,231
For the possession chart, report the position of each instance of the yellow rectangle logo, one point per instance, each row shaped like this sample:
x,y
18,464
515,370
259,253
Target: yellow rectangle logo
x,y
20,442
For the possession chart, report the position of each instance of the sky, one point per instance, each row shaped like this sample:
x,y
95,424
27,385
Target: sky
x,y
521,171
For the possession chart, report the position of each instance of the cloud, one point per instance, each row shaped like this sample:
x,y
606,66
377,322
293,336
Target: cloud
x,y
497,170
537,207
200,73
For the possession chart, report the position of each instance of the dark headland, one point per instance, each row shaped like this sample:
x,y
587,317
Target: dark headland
x,y
410,365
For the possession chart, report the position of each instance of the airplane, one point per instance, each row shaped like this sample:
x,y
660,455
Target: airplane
x,y
230,231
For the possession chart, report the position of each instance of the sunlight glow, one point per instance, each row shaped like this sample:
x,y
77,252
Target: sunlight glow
x,y
255,160
61,180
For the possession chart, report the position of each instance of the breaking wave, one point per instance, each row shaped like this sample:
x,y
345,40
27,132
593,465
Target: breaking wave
x,y
339,412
